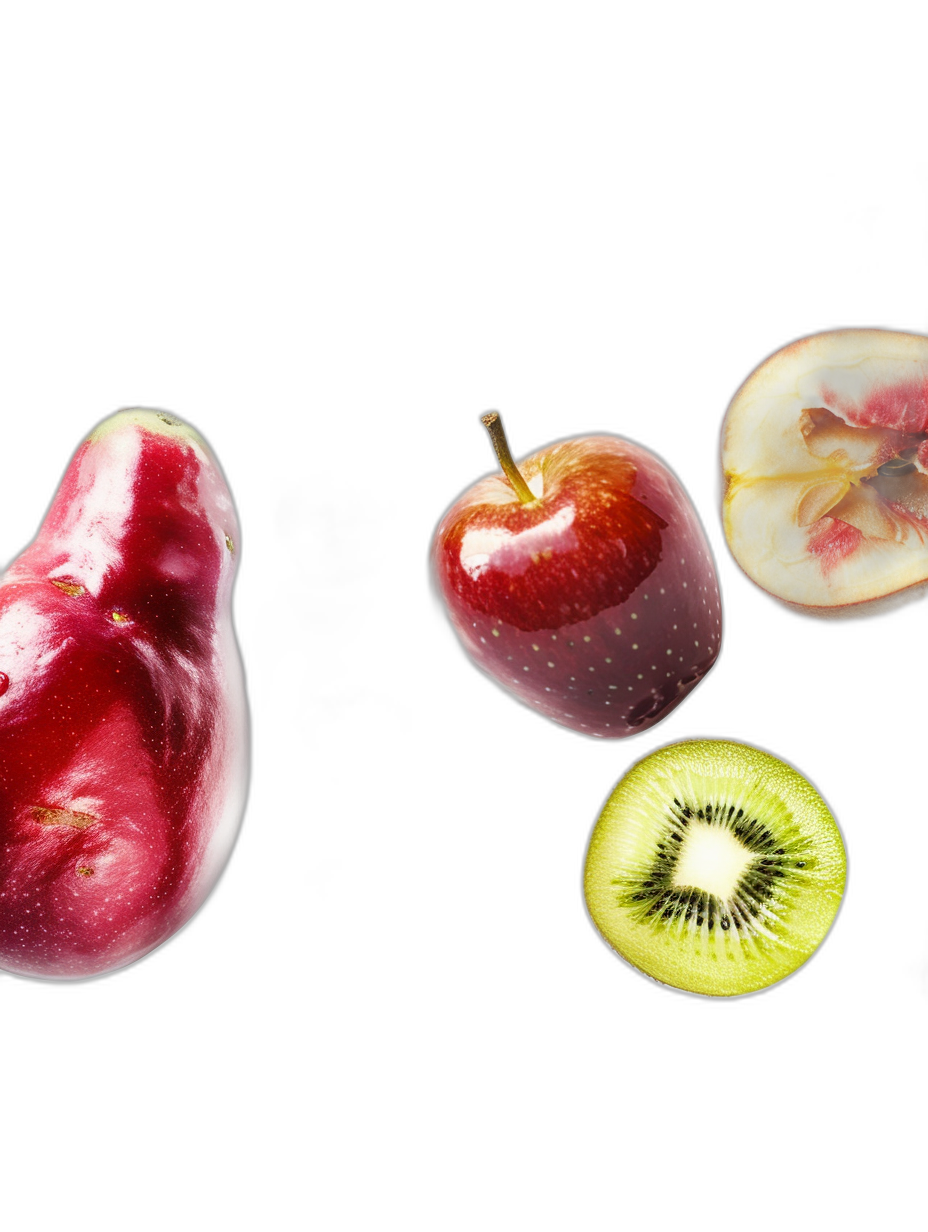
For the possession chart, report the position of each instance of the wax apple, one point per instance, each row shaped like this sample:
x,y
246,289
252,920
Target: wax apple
x,y
581,580
123,722
825,452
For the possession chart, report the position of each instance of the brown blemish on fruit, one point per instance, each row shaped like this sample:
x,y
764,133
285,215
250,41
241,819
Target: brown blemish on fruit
x,y
85,870
69,588
169,419
230,545
120,618
61,817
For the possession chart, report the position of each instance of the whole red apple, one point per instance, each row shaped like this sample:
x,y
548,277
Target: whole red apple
x,y
123,721
582,581
825,453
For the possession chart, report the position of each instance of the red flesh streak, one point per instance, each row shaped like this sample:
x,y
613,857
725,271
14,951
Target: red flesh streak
x,y
918,523
903,406
833,541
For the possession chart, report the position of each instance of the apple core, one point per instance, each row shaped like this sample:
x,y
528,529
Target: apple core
x,y
825,454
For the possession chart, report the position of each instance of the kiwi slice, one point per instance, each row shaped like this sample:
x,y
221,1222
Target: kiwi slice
x,y
714,867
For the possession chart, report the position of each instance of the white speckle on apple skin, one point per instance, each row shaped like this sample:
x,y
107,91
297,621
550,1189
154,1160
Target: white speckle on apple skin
x,y
550,701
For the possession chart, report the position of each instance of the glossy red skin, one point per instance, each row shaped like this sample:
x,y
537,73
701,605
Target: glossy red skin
x,y
117,731
606,614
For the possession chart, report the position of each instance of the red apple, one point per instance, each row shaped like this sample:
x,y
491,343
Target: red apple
x,y
825,452
122,717
581,580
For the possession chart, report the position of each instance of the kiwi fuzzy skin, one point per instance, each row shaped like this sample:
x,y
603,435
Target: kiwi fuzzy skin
x,y
716,963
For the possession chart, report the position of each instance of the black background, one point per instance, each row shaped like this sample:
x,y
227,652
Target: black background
x,y
411,858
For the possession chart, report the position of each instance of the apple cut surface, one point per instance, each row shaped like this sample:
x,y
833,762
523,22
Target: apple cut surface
x,y
825,456
592,597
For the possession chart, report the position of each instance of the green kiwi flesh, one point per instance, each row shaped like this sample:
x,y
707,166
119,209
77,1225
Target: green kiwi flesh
x,y
714,867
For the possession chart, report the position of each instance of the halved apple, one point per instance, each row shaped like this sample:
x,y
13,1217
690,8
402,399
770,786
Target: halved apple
x,y
825,454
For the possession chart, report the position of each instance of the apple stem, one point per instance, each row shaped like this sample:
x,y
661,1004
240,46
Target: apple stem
x,y
494,425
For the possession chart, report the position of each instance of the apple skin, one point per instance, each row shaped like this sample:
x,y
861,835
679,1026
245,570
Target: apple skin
x,y
123,720
597,603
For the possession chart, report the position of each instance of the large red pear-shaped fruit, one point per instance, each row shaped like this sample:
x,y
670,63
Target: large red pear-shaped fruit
x,y
583,583
123,723
825,453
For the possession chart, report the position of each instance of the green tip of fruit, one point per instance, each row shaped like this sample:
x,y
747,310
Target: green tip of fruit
x,y
715,867
162,423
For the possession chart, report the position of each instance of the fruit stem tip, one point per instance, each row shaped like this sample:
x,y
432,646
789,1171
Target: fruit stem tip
x,y
494,425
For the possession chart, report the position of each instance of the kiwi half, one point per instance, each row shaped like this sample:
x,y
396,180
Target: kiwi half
x,y
714,867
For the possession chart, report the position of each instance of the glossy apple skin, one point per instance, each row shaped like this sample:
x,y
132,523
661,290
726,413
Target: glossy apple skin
x,y
596,604
123,722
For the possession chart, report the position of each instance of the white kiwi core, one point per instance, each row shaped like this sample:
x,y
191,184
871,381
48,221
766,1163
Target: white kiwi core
x,y
713,860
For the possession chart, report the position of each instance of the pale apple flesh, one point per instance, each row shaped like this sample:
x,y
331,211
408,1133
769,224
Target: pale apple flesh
x,y
825,455
597,602
123,722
